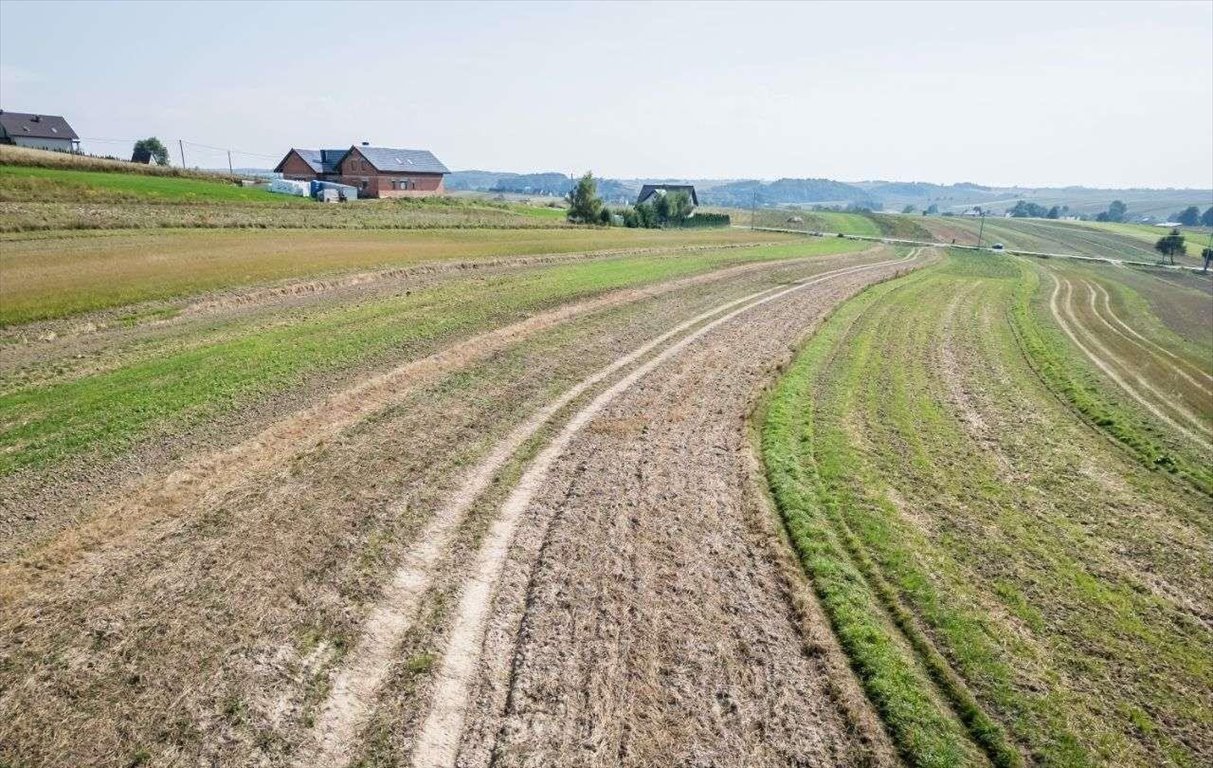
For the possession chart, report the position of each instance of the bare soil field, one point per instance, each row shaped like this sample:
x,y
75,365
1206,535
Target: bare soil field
x,y
196,607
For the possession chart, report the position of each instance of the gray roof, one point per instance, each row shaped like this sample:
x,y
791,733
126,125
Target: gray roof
x,y
35,126
321,160
648,190
387,159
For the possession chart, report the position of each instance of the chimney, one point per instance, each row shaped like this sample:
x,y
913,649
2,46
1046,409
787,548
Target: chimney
x,y
36,119
366,143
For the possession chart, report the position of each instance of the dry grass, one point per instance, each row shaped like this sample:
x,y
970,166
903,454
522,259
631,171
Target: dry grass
x,y
39,158
45,278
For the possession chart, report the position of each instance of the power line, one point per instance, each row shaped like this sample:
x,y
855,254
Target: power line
x,y
181,143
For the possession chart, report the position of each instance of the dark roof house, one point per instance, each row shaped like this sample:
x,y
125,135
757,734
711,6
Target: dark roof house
x,y
37,131
648,190
376,171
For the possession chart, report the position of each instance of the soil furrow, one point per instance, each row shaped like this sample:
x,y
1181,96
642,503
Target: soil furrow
x,y
354,686
438,743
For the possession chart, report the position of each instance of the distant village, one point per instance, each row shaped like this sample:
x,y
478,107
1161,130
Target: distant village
x,y
363,170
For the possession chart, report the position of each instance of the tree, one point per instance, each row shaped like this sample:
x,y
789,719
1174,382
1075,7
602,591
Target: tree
x,y
1206,218
932,209
153,146
604,216
673,207
1117,211
1054,213
585,206
1189,216
1023,210
1171,244
908,209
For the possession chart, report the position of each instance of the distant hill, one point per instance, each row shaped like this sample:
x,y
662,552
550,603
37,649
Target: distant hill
x,y
875,195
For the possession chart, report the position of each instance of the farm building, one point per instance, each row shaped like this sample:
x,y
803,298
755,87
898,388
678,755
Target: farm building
x,y
375,171
37,131
648,190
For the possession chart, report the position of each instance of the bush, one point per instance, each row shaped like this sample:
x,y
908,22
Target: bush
x,y
700,220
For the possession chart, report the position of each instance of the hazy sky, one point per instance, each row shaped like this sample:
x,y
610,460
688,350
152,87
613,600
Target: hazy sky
x,y
1101,94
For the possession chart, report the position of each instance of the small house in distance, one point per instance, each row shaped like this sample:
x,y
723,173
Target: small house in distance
x,y
648,190
37,131
375,171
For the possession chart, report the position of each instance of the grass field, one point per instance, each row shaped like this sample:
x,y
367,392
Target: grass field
x,y
1114,241
54,199
29,184
110,409
54,277
1009,584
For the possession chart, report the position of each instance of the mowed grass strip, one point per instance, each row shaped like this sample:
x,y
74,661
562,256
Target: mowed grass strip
x,y
923,726
110,411
962,504
50,278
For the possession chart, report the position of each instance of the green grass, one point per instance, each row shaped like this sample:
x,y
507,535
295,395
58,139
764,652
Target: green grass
x,y
815,221
110,411
26,184
1130,242
991,589
1063,370
43,278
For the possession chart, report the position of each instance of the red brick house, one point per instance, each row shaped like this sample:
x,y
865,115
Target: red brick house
x,y
375,171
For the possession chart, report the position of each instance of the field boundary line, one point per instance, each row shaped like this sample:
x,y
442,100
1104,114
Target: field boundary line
x,y
355,683
437,744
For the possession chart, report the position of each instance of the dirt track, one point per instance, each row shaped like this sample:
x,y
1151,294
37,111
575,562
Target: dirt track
x,y
641,616
205,621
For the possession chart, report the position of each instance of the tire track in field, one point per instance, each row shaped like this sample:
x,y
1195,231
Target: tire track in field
x,y
353,688
1150,346
209,474
437,743
1163,399
1068,321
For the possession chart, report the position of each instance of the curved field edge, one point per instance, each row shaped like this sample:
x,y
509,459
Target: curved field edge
x,y
914,613
1074,381
932,719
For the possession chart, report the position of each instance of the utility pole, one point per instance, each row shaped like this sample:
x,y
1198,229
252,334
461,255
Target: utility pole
x,y
754,210
181,146
981,229
229,163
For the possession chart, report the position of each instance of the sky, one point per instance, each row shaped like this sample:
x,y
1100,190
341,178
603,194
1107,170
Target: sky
x,y
1101,94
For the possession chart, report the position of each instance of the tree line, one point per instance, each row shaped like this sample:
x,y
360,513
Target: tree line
x,y
672,209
